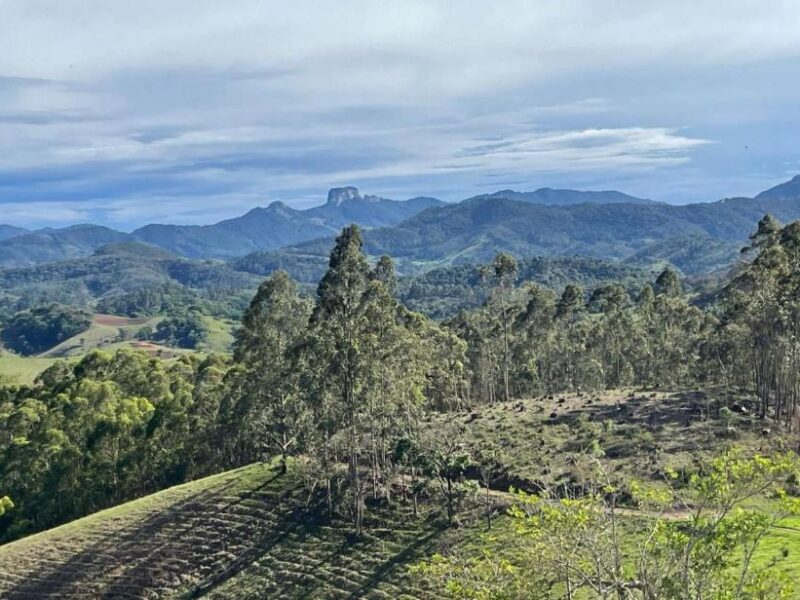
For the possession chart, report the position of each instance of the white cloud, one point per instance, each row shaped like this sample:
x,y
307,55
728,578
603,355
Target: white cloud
x,y
239,99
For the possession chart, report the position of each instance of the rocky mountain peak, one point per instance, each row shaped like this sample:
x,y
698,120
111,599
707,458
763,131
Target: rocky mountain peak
x,y
337,196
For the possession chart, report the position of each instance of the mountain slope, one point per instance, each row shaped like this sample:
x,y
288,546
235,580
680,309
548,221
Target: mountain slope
x,y
559,197
474,230
279,225
9,231
788,189
46,245
691,255
116,270
261,228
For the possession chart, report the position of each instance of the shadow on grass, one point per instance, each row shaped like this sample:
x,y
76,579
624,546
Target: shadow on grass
x,y
420,548
211,537
157,554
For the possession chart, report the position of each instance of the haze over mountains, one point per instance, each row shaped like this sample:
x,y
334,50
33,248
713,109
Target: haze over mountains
x,y
424,232
270,227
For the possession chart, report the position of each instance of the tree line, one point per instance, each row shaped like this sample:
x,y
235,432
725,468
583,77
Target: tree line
x,y
347,378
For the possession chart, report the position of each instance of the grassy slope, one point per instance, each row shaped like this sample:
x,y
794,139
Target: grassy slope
x,y
103,334
639,433
246,534
22,369
242,534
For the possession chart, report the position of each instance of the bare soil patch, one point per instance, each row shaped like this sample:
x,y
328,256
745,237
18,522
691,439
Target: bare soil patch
x,y
116,321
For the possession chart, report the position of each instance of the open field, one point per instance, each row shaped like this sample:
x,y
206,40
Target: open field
x,y
111,332
638,433
104,333
220,336
22,369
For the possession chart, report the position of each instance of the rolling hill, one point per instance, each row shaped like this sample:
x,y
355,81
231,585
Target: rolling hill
x,y
49,245
114,270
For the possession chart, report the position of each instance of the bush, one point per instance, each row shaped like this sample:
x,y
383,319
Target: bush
x,y
184,330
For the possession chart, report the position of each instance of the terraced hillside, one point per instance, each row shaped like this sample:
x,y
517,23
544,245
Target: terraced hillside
x,y
243,534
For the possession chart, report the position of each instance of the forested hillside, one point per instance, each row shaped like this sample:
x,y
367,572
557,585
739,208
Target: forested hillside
x,y
624,406
116,275
478,228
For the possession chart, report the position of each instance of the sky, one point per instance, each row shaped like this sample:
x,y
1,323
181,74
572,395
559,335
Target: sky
x,y
191,111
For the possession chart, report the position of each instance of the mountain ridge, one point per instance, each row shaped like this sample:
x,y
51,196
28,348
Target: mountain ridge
x,y
261,228
566,197
547,221
476,229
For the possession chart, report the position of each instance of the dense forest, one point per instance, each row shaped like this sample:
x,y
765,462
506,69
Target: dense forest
x,y
349,377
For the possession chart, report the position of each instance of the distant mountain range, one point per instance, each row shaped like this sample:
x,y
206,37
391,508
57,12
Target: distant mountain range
x,y
278,225
272,227
423,233
696,238
553,197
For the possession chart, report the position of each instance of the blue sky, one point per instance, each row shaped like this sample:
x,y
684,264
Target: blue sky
x,y
124,113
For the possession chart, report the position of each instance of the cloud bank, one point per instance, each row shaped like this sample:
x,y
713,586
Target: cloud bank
x,y
189,112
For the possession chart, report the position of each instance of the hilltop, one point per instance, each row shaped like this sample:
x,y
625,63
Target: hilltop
x,y
561,197
118,269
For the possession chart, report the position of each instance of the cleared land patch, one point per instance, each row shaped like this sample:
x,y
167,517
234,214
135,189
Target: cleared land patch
x,y
243,534
105,332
